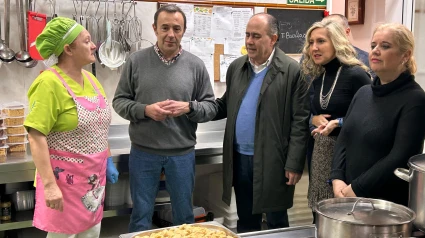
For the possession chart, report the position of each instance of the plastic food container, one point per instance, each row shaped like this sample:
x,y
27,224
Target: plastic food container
x,y
24,200
3,131
15,130
3,140
14,109
3,150
17,147
14,121
16,138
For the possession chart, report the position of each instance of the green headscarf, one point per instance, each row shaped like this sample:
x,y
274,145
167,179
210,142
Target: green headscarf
x,y
57,33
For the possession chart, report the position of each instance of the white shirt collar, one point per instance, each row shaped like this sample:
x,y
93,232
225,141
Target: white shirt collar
x,y
258,68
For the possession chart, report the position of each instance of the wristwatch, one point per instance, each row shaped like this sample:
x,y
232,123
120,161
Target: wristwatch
x,y
191,106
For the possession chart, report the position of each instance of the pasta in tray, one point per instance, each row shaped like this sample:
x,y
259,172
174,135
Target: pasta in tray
x,y
187,231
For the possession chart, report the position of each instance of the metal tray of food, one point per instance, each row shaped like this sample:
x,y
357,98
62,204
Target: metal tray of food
x,y
227,232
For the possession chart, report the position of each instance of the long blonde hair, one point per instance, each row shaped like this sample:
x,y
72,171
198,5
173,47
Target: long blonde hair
x,y
344,51
404,39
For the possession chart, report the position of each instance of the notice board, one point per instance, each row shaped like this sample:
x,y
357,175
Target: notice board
x,y
293,25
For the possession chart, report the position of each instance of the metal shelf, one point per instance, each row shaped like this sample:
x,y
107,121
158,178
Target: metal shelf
x,y
23,219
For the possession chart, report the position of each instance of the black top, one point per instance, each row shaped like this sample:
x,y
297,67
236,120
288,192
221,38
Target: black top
x,y
384,127
349,81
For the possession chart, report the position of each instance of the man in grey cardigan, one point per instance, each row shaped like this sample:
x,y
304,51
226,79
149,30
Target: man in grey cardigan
x,y
164,92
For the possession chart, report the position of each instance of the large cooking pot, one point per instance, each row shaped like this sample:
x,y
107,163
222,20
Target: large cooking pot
x,y
362,217
415,177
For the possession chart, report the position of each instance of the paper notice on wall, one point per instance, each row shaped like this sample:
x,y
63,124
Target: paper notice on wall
x,y
202,45
233,46
188,10
222,22
185,43
202,21
240,17
225,61
209,64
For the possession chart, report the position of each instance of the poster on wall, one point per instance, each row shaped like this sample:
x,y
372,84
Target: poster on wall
x,y
188,12
222,22
202,45
209,64
233,46
240,17
202,21
225,61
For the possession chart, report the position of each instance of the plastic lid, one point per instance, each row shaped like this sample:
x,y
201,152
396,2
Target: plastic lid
x,y
13,105
417,162
19,143
4,137
22,134
4,146
14,117
364,211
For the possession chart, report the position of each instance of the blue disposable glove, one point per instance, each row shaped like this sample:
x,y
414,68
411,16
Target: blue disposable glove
x,y
111,172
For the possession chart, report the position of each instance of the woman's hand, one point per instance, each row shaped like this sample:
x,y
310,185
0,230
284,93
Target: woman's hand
x,y
329,127
325,130
320,120
338,185
53,197
348,192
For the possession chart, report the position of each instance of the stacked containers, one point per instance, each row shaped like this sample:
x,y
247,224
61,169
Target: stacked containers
x,y
14,117
219,208
3,138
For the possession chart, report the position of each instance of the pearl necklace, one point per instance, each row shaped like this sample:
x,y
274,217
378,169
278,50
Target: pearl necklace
x,y
324,99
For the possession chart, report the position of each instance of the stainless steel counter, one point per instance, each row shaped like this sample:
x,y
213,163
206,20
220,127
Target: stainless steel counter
x,y
290,232
20,167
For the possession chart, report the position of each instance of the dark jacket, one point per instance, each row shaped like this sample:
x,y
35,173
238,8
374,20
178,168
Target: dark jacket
x,y
281,129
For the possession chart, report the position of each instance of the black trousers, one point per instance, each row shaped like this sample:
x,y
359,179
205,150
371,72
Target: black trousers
x,y
243,184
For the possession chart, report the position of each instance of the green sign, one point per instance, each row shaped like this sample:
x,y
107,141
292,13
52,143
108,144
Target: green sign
x,y
307,2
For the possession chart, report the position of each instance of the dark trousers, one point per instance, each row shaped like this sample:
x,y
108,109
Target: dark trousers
x,y
243,184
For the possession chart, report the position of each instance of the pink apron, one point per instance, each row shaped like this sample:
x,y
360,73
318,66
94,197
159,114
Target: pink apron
x,y
78,158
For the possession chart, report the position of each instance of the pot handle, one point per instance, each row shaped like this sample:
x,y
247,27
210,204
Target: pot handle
x,y
361,199
402,173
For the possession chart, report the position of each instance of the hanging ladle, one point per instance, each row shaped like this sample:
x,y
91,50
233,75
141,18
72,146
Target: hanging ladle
x,y
22,56
2,44
7,55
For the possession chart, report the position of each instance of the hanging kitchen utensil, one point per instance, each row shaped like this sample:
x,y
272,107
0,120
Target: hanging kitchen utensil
x,y
36,24
7,55
22,56
52,10
111,52
2,43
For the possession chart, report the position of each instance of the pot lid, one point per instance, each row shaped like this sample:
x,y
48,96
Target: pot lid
x,y
364,211
417,162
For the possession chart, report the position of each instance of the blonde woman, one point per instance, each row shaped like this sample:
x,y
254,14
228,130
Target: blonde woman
x,y
385,122
331,61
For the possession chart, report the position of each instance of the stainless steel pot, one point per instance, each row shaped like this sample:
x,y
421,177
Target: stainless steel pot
x,y
416,178
362,217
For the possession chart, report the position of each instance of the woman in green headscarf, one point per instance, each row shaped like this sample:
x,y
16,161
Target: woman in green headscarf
x,y
68,127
